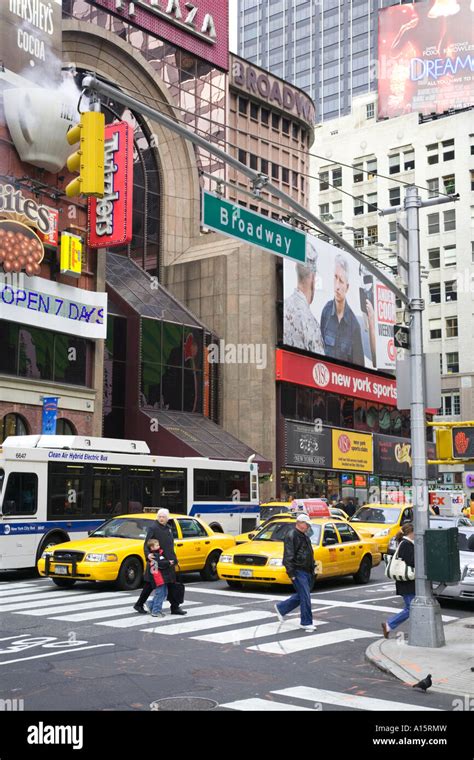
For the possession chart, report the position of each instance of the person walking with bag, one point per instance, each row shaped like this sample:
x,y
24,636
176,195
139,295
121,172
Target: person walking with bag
x,y
298,559
406,587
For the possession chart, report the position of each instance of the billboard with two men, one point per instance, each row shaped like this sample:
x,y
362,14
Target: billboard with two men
x,y
334,307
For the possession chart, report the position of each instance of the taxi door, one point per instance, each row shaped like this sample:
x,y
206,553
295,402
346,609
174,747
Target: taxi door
x,y
192,546
328,552
352,549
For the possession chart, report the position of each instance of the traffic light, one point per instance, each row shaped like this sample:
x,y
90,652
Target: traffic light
x,y
88,160
444,443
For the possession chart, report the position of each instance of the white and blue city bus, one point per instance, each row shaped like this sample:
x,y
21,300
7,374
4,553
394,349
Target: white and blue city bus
x,y
59,488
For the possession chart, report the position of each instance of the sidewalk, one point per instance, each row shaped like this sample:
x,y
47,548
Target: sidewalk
x,y
450,666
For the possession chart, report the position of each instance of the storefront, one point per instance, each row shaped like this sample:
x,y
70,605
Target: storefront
x,y
354,443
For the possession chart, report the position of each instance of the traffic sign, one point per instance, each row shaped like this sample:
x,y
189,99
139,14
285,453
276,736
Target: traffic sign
x,y
237,222
402,336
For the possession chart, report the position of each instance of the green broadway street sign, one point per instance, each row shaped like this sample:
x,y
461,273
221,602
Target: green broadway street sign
x,y
235,221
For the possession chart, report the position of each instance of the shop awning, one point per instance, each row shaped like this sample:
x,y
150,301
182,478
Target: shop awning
x,y
193,435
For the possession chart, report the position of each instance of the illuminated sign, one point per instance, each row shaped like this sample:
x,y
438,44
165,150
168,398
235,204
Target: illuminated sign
x,y
110,217
199,27
55,307
30,36
352,451
425,57
71,254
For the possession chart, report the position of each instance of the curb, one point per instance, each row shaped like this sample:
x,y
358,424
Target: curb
x,y
383,662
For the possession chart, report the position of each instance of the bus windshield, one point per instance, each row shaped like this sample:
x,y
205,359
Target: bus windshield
x,y
123,527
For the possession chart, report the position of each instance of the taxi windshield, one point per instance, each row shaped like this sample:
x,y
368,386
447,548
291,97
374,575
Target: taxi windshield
x,y
376,515
269,511
123,527
278,530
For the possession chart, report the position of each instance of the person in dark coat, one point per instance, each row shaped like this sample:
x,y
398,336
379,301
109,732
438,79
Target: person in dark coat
x,y
162,532
349,508
298,560
405,589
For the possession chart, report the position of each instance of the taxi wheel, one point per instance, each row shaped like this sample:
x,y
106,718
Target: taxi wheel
x,y
363,573
131,574
64,582
209,572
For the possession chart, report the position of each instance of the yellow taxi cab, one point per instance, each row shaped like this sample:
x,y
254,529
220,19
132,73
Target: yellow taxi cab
x,y
114,551
338,550
381,521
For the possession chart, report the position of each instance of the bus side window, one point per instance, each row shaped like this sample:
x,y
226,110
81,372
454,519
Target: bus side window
x,y
21,494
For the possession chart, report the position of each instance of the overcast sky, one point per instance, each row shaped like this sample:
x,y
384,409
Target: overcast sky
x,y
233,26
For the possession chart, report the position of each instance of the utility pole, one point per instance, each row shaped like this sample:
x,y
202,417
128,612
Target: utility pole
x,y
425,622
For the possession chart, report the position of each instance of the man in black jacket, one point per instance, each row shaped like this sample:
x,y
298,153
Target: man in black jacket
x,y
298,559
161,530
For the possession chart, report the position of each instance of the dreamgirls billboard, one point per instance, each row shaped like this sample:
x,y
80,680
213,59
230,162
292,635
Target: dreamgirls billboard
x,y
334,307
426,57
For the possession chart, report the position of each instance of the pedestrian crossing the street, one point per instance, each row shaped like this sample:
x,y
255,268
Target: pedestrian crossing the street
x,y
315,700
227,618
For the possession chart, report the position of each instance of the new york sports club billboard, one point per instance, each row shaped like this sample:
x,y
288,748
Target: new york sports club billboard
x,y
425,57
335,308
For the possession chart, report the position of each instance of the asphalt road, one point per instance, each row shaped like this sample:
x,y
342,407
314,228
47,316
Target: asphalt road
x,y
86,649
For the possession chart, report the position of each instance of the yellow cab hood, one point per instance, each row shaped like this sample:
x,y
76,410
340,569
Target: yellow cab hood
x,y
100,545
370,529
262,548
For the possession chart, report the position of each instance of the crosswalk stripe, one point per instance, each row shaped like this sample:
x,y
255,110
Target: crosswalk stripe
x,y
305,641
76,605
47,599
231,594
254,632
97,614
20,592
349,700
210,610
374,607
214,622
264,704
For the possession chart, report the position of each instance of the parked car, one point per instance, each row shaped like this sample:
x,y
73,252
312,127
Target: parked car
x,y
464,590
381,521
114,551
438,522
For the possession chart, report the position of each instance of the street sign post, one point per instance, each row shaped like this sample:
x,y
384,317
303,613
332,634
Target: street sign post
x,y
237,222
401,336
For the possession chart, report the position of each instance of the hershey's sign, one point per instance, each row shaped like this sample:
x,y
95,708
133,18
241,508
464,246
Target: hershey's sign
x,y
259,83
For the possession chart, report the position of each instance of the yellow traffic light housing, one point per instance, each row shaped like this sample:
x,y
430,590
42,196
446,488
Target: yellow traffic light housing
x,y
88,161
444,444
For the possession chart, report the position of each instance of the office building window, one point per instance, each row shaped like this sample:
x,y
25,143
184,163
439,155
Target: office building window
x,y
394,163
337,211
435,329
264,116
409,160
285,175
359,205
275,121
337,177
243,105
452,362
448,150
370,110
323,181
432,153
451,327
450,256
285,126
392,232
294,179
275,171
433,224
372,234
435,292
451,291
434,258
371,168
253,161
450,404
254,111
372,202
359,238
449,218
449,184
394,196
433,188
264,166
358,173
324,210
242,156
295,131
472,181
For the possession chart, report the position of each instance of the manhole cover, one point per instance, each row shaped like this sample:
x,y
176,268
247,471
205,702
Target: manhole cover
x,y
183,703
